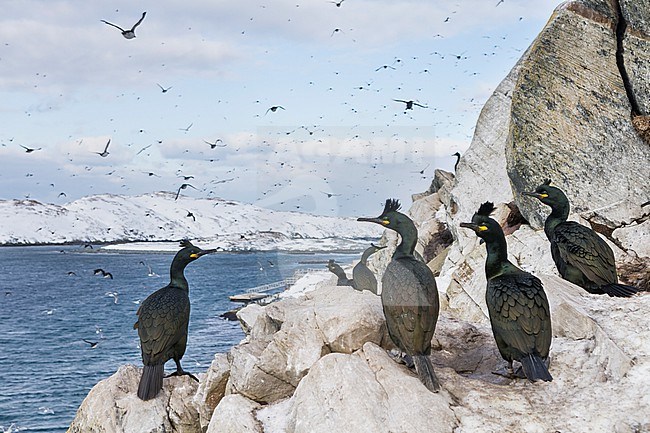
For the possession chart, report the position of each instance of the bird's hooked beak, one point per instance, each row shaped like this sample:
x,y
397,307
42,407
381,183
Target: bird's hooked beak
x,y
379,221
473,227
202,253
537,195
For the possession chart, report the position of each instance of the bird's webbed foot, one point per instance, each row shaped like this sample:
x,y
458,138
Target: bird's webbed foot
x,y
402,358
510,373
182,372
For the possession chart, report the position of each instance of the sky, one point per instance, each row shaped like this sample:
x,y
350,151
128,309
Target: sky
x,y
337,144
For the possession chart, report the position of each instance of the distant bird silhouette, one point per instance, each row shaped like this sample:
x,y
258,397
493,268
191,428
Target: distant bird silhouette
x,y
71,274
93,344
384,67
186,129
128,34
29,149
213,145
88,246
186,177
190,215
105,152
150,272
274,109
330,194
457,155
164,90
183,186
113,295
424,169
338,4
103,273
410,104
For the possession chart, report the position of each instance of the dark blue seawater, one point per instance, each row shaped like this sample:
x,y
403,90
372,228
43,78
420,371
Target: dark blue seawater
x,y
46,369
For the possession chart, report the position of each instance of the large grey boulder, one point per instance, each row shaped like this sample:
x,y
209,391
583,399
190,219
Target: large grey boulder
x,y
112,406
212,388
570,117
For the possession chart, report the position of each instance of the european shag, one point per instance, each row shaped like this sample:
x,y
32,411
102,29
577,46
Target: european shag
x,y
581,256
162,324
362,276
457,155
129,33
343,279
517,305
409,295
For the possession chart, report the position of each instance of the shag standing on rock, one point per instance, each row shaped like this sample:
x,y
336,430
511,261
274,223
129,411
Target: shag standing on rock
x,y
409,295
517,305
162,324
343,279
581,256
362,276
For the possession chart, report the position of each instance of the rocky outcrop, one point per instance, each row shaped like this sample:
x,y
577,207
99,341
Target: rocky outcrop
x,y
113,406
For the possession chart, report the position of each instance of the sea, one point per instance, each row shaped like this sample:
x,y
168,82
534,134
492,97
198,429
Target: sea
x,y
51,300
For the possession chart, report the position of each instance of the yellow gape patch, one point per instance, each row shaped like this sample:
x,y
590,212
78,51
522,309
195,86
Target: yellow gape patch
x,y
543,195
385,222
194,256
482,228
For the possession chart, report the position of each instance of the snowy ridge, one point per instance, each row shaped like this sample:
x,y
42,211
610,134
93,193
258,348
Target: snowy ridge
x,y
157,217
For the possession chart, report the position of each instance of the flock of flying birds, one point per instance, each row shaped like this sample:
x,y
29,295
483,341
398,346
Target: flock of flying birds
x,y
277,165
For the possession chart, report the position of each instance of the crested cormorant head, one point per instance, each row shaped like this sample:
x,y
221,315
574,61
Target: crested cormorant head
x,y
485,227
549,195
190,252
390,217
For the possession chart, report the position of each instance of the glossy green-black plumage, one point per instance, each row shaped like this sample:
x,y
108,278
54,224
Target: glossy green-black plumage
x,y
362,277
580,255
516,301
409,296
163,319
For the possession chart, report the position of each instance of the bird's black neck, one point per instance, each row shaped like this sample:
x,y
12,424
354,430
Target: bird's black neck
x,y
559,214
409,235
497,262
177,275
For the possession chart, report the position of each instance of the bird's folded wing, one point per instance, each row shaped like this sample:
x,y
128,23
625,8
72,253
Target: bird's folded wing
x,y
521,312
579,246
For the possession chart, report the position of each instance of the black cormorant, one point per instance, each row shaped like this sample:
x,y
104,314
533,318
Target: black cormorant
x,y
162,324
128,33
457,155
362,276
517,305
409,295
343,279
581,256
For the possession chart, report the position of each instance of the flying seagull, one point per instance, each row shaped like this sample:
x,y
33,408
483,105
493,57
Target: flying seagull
x,y
128,34
104,154
164,90
274,109
29,149
213,145
410,104
93,344
183,186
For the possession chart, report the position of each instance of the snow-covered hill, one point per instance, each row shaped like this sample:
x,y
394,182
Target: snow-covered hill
x,y
157,217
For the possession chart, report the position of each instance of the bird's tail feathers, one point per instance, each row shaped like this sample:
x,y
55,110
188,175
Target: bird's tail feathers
x,y
427,376
151,381
619,290
535,368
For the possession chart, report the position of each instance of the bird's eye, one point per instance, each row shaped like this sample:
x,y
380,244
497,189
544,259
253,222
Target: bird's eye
x,y
482,228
